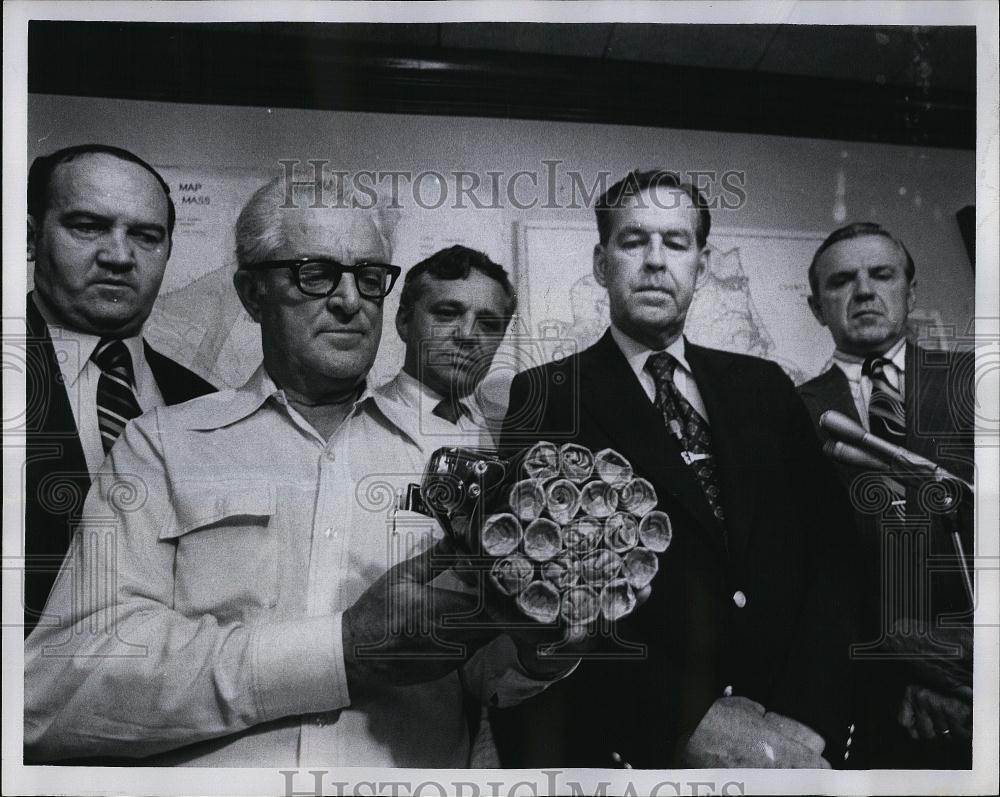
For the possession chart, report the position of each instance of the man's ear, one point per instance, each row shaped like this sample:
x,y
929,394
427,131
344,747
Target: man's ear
x,y
817,309
32,235
704,258
911,296
600,266
403,323
250,290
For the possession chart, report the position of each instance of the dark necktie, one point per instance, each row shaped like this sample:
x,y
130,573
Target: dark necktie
x,y
116,402
886,416
451,410
691,430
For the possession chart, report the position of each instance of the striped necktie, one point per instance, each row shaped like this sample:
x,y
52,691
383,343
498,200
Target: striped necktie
x,y
116,402
886,412
688,427
886,417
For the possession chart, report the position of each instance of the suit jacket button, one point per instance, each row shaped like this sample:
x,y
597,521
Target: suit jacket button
x,y
728,691
740,599
616,757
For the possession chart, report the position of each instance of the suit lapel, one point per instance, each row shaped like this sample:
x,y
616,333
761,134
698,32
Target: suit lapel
x,y
176,383
613,399
733,429
50,416
831,390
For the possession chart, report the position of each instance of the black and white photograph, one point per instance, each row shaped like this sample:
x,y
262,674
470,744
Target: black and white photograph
x,y
501,399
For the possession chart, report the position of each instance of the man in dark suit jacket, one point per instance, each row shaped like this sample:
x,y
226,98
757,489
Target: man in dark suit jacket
x,y
914,686
100,221
750,610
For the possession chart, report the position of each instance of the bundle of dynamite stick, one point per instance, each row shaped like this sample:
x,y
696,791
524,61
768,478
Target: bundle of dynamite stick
x,y
581,536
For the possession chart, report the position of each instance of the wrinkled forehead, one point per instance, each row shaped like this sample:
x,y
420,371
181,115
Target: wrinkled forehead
x,y
344,234
864,251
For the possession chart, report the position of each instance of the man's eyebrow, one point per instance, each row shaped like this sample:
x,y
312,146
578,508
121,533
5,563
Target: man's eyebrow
x,y
669,231
90,215
148,225
847,271
76,214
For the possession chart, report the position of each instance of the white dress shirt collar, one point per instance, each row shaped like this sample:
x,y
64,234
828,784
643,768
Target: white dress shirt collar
x,y
409,404
81,378
415,393
73,349
638,353
896,355
226,407
852,366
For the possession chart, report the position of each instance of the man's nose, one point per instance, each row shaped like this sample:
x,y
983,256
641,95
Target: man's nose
x,y
117,251
656,256
345,296
465,328
864,286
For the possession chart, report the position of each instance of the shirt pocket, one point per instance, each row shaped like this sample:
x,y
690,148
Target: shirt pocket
x,y
228,550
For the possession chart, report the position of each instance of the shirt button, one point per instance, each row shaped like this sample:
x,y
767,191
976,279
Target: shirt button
x,y
330,455
728,691
740,599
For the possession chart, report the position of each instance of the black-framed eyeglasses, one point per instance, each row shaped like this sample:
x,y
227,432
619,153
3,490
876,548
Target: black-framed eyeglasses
x,y
317,276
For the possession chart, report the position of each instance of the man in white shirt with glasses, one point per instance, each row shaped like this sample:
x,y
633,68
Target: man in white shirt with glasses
x,y
250,613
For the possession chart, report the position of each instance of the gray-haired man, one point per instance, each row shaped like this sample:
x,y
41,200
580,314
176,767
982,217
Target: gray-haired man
x,y
254,615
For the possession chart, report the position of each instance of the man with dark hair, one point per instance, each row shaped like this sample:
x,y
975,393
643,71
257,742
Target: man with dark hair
x,y
639,186
739,658
453,314
99,232
915,686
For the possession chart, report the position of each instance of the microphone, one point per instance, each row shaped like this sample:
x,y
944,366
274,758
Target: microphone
x,y
846,454
859,448
855,440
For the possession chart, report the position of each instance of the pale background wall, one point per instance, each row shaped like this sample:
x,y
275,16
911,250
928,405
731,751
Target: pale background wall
x,y
791,183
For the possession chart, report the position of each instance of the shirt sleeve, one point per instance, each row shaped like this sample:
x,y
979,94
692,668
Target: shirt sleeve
x,y
114,669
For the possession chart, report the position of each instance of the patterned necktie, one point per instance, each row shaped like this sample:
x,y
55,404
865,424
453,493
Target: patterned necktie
x,y
886,412
116,402
886,417
690,429
451,410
